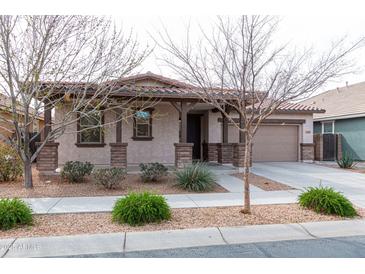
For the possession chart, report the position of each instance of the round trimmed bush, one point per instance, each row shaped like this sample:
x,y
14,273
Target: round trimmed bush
x,y
152,172
141,208
110,178
14,212
326,200
196,177
75,171
11,166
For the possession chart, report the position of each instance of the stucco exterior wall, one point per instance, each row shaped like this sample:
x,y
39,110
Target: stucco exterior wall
x,y
68,151
214,127
165,132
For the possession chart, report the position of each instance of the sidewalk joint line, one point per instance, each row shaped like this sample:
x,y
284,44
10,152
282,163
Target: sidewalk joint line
x,y
56,203
7,251
187,195
124,242
307,231
224,240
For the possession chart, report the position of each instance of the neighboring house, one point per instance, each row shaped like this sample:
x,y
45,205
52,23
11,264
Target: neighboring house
x,y
6,124
179,128
345,114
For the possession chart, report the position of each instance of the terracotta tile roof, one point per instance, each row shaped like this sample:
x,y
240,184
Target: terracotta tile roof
x,y
151,84
300,107
340,103
154,77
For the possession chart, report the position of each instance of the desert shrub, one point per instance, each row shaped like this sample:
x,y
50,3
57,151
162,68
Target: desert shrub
x,y
75,171
110,178
152,172
326,200
196,177
11,166
14,212
347,161
141,208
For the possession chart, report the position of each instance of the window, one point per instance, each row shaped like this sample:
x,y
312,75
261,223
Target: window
x,y
328,127
90,131
143,125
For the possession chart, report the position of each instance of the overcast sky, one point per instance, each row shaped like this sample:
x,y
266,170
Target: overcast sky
x,y
315,31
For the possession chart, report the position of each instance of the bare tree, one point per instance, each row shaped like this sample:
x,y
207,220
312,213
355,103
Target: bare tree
x,y
238,68
67,61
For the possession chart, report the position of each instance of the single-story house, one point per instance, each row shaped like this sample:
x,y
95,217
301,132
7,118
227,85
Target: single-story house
x,y
180,128
345,115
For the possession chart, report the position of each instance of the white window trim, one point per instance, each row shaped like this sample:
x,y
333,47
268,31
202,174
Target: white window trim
x,y
333,126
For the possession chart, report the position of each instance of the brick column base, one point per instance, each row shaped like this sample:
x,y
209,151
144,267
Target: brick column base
x,y
307,152
118,155
225,153
212,152
183,154
47,159
239,155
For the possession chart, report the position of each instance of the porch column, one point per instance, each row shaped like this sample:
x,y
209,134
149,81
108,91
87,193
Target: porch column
x,y
225,149
118,150
47,119
47,159
183,149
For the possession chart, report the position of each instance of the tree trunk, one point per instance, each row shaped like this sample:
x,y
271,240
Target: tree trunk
x,y
246,164
28,178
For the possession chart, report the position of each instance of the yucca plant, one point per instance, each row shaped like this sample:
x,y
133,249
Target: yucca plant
x,y
326,200
347,161
196,177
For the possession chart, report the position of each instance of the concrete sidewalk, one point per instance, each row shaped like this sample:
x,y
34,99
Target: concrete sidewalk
x,y
232,198
106,203
157,240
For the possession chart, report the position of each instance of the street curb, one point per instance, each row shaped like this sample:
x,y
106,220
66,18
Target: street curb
x,y
58,246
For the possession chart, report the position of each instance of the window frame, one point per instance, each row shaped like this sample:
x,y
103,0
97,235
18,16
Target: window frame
x,y
143,138
101,143
328,122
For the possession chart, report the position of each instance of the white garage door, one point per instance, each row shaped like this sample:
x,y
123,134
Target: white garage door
x,y
276,143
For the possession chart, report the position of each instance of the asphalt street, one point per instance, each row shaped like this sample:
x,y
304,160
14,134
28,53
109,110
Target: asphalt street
x,y
339,247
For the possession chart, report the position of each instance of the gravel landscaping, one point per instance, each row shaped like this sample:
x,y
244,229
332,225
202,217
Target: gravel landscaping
x,y
54,186
68,224
264,183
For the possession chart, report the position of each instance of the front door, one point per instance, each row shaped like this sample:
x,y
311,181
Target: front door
x,y
193,135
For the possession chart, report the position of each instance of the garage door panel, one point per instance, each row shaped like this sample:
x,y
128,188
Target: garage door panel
x,y
276,144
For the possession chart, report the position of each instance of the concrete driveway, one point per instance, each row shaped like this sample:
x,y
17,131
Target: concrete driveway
x,y
301,175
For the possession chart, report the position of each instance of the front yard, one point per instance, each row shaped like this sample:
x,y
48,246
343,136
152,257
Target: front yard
x,y
88,223
54,186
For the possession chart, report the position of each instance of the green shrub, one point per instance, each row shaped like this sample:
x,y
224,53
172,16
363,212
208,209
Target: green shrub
x,y
196,177
152,172
75,171
347,161
141,208
14,212
110,178
11,166
326,200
